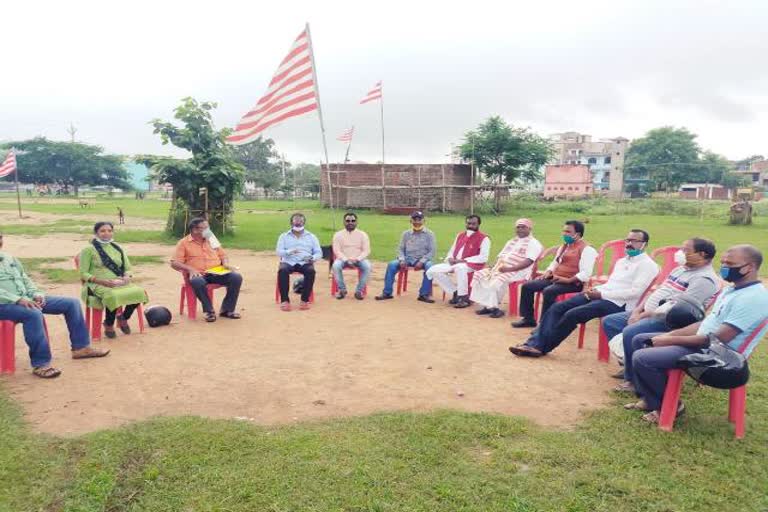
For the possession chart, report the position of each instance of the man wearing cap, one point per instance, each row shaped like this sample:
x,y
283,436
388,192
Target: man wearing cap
x,y
468,254
514,263
416,250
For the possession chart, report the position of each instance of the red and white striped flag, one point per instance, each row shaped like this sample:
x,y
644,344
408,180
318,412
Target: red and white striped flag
x,y
373,94
346,135
9,165
292,92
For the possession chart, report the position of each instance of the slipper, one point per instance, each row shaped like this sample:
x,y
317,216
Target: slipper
x,y
304,306
285,306
210,317
123,324
654,416
48,372
525,351
625,387
640,405
230,314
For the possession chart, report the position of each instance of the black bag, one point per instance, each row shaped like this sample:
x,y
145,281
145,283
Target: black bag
x,y
157,316
298,285
718,366
684,313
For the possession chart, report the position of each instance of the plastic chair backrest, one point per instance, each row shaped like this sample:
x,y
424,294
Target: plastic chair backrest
x,y
617,251
667,254
752,335
551,251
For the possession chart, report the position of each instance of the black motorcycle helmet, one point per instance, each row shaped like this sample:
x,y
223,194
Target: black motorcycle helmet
x,y
298,285
684,313
157,316
718,366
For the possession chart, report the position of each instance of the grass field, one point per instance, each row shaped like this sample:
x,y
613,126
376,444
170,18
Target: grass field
x,y
441,461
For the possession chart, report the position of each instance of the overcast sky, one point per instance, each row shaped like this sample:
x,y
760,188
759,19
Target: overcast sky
x,y
606,68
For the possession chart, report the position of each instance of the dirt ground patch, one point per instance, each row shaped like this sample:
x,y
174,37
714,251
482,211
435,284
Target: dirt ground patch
x,y
341,358
89,219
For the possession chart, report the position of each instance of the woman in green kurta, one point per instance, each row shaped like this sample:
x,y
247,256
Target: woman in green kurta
x,y
105,270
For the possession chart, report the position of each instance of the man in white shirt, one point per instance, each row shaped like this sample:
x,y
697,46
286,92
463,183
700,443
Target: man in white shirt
x,y
630,278
514,263
468,253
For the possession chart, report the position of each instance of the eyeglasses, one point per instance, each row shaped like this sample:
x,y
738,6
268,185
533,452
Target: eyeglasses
x,y
633,241
350,221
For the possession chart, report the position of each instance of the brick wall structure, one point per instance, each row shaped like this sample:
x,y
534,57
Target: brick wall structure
x,y
441,187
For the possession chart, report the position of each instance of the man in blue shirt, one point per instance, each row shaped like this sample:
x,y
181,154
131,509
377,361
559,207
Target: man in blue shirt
x,y
298,250
738,311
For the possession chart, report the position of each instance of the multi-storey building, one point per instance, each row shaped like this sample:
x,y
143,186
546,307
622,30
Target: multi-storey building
x,y
604,157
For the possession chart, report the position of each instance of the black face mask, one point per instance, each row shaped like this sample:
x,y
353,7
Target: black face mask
x,y
731,274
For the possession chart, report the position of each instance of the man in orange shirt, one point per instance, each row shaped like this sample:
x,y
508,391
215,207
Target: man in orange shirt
x,y
195,256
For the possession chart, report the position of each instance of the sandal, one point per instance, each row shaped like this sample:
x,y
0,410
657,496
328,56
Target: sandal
x,y
285,306
46,372
109,332
526,351
210,316
640,405
625,387
123,324
304,306
230,314
653,417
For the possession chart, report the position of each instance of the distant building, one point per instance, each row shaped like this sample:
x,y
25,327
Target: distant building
x,y
757,172
138,175
568,181
705,191
605,158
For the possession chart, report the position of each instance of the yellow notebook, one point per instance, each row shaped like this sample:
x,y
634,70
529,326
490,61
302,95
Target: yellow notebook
x,y
219,270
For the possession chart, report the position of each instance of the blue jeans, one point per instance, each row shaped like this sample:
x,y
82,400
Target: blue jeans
x,y
651,365
365,272
34,333
563,317
615,324
394,266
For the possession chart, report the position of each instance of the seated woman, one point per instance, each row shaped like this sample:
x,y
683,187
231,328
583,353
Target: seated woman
x,y
104,269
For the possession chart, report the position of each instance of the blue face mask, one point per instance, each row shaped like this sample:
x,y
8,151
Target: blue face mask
x,y
568,239
731,274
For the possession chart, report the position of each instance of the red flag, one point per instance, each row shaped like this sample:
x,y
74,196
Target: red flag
x,y
292,92
346,135
373,94
9,165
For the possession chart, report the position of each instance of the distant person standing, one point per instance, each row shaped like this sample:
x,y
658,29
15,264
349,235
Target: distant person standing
x,y
120,215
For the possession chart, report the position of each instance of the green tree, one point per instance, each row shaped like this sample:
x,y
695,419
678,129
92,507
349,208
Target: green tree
x,y
257,157
505,153
307,179
667,157
68,164
211,166
718,169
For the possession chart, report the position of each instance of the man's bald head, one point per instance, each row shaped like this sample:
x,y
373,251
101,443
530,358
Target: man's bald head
x,y
750,254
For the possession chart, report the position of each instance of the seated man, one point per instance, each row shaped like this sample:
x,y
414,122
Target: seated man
x,y
630,278
571,268
416,250
351,248
694,281
515,263
737,312
198,255
468,253
21,301
298,250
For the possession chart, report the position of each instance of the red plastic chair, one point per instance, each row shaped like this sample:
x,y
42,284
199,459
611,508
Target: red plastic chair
x,y
335,285
188,298
94,315
737,397
402,279
277,290
8,345
617,250
514,286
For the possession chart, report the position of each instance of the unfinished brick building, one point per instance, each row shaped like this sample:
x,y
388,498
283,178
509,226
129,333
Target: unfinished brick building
x,y
441,187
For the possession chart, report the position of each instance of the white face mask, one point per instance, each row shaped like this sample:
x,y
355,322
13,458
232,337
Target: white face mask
x,y
470,232
102,241
207,233
680,257
298,229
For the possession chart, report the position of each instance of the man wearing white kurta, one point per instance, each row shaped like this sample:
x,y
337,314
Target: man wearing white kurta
x,y
515,263
468,254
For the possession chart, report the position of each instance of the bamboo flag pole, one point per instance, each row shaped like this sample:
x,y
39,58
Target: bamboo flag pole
x,y
349,145
322,126
383,159
18,195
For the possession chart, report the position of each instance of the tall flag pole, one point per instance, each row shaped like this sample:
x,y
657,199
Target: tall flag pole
x,y
293,91
376,93
9,166
346,136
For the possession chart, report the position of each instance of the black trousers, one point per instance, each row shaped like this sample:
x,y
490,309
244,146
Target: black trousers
x,y
549,291
232,281
284,280
109,315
